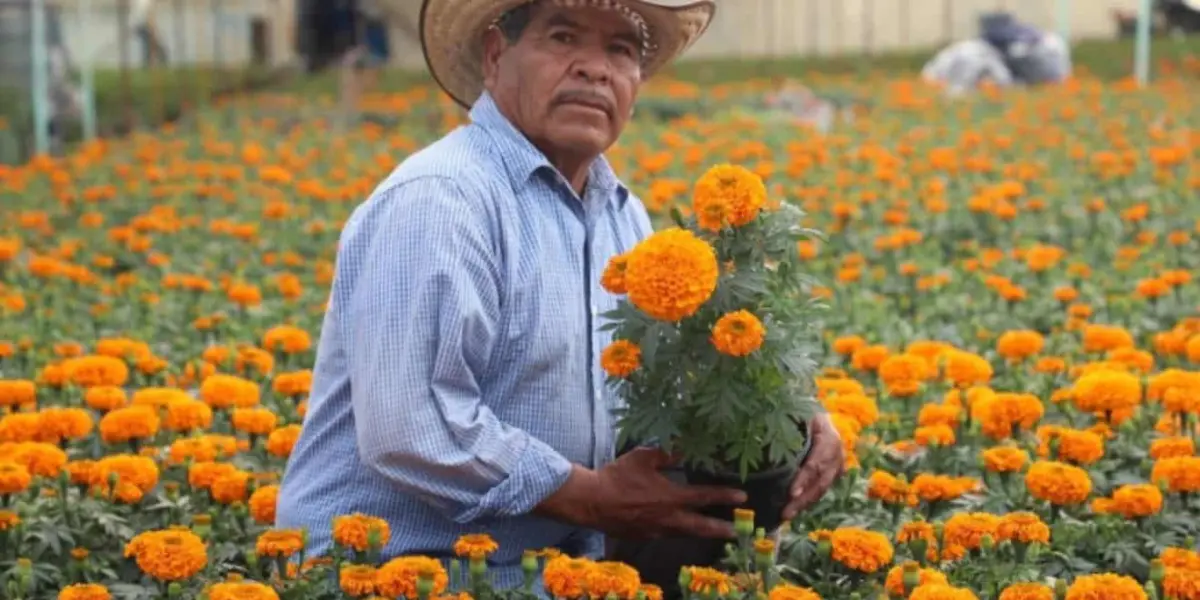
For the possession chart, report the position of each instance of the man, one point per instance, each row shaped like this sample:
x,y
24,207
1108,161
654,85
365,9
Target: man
x,y
962,66
457,386
142,19
1034,57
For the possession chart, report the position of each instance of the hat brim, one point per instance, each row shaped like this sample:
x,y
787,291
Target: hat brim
x,y
452,38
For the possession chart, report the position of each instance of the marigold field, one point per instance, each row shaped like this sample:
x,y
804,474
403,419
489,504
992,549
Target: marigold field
x,y
1012,350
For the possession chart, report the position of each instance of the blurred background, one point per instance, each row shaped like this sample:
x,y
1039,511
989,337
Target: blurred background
x,y
77,69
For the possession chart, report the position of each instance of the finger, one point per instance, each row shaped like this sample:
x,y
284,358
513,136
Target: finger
x,y
812,494
692,524
709,495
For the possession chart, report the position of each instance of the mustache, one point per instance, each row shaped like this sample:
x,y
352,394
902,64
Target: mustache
x,y
589,98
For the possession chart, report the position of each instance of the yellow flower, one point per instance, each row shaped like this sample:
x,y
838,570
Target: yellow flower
x,y
671,274
738,333
613,278
727,194
1138,500
1107,391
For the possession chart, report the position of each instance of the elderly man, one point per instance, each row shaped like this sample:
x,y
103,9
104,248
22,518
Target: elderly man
x,y
457,386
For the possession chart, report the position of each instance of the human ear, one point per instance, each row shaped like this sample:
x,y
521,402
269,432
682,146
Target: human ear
x,y
493,45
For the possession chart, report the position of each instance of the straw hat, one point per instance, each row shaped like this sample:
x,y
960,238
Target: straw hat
x,y
452,35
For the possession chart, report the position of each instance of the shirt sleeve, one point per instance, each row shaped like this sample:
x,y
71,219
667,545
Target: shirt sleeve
x,y
421,326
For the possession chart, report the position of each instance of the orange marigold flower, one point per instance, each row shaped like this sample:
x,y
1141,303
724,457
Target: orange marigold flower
x,y
262,504
1180,473
566,577
357,580
940,414
966,530
613,278
1182,558
241,590
708,581
1017,345
1102,338
281,441
621,358
889,489
1004,459
398,577
1024,527
168,555
847,345
91,371
869,358
254,420
931,487
738,333
287,338
225,391
941,592
1181,584
671,274
1108,586
607,578
59,423
860,549
129,423
1138,500
8,519
894,583
475,545
1107,391
787,591
1058,483
855,405
727,194
1172,446
1027,591
965,369
84,591
928,435
279,543
230,487
14,478
354,531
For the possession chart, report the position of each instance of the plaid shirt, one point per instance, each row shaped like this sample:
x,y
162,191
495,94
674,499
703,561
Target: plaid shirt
x,y
457,373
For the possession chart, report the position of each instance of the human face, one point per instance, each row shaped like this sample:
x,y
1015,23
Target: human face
x,y
569,82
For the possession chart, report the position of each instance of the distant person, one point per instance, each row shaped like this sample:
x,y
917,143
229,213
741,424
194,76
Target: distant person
x,y
142,20
963,66
1033,56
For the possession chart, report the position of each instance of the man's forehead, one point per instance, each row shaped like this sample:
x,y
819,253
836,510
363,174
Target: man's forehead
x,y
613,16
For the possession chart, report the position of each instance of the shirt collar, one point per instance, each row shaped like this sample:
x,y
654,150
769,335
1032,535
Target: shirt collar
x,y
522,159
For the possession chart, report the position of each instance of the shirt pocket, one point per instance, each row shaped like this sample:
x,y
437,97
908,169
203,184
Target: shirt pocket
x,y
547,332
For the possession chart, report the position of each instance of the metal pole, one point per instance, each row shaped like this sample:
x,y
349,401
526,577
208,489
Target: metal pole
x,y
1063,16
1141,51
87,70
40,91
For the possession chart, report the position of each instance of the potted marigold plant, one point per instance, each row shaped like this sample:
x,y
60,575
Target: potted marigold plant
x,y
714,339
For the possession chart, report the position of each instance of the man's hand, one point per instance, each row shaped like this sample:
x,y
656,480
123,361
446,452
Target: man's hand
x,y
630,499
824,464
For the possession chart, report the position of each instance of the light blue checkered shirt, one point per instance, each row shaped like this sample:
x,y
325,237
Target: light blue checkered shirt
x,y
457,374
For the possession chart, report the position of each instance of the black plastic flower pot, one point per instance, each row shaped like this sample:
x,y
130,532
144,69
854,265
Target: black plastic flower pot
x,y
767,490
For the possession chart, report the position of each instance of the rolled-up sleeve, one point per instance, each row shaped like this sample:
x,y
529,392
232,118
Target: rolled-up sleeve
x,y
422,323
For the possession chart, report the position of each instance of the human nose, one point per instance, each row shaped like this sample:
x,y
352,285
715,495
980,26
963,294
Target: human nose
x,y
593,66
